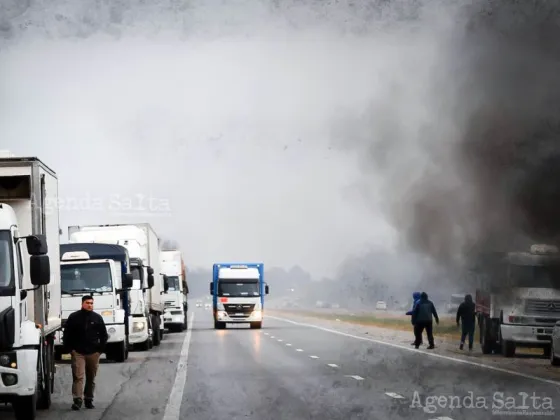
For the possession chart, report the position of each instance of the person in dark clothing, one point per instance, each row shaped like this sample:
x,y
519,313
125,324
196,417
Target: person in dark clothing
x,y
467,314
85,337
415,300
422,314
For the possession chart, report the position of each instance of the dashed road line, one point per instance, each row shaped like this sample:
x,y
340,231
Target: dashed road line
x,y
272,336
436,355
299,349
332,365
280,340
288,344
442,418
394,395
356,377
314,357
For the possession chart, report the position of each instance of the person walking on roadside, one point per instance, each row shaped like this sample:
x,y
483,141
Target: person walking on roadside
x,y
467,314
423,314
85,336
415,300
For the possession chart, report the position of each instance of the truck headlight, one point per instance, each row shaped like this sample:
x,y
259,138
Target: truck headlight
x,y
257,314
220,307
138,326
9,379
4,360
258,306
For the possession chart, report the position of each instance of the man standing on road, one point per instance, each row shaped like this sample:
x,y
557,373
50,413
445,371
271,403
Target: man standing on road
x,y
467,314
415,300
85,336
422,314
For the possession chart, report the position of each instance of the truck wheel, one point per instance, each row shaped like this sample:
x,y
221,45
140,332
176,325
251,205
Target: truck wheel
x,y
256,325
485,337
145,346
508,348
45,379
554,361
120,354
185,325
25,408
156,331
547,351
219,325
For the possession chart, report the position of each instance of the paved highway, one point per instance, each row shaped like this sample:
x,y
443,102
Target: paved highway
x,y
292,371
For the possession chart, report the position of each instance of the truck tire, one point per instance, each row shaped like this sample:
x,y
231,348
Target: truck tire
x,y
145,346
508,348
120,353
185,324
25,408
256,325
219,325
156,337
486,342
554,361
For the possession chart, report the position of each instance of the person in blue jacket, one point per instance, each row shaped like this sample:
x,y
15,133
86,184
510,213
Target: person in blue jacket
x,y
416,299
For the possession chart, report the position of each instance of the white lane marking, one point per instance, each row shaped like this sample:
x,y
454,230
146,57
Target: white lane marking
x,y
440,356
288,344
299,350
394,395
314,357
332,365
280,340
266,334
356,377
272,336
173,407
442,418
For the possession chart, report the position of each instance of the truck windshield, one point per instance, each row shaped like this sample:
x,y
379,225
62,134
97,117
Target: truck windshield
x,y
238,288
85,278
6,259
173,282
535,276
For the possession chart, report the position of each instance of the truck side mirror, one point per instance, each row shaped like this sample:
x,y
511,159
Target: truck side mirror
x,y
266,289
165,284
40,270
211,288
150,281
127,281
150,271
37,245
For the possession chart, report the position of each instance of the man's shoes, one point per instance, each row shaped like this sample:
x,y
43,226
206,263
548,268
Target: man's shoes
x,y
461,346
89,404
431,346
77,404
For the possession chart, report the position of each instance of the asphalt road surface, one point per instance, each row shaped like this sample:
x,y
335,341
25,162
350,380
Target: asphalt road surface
x,y
292,371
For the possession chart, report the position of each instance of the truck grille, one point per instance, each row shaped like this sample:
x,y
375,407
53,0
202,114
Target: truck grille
x,y
543,306
240,310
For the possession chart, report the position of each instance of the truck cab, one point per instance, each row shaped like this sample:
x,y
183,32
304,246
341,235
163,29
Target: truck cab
x,y
238,292
520,307
102,271
175,296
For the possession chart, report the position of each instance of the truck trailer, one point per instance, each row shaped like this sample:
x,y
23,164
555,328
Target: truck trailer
x,y
30,311
142,243
238,291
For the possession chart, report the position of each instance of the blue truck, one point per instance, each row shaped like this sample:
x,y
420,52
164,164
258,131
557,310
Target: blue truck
x,y
238,291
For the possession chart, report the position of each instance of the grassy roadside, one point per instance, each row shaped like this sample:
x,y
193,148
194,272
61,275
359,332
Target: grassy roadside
x,y
446,328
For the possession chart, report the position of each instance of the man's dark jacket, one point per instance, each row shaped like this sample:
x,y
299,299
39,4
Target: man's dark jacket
x,y
85,332
424,311
467,312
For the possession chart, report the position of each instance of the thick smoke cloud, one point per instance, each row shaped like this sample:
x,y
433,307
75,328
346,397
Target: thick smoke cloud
x,y
478,169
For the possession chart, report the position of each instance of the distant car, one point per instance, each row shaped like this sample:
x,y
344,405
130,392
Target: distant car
x,y
381,306
555,345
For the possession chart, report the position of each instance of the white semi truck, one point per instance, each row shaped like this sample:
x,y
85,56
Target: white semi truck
x,y
30,311
102,271
176,305
518,299
142,243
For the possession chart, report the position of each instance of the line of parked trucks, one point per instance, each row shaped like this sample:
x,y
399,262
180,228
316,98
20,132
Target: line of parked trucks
x,y
138,288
